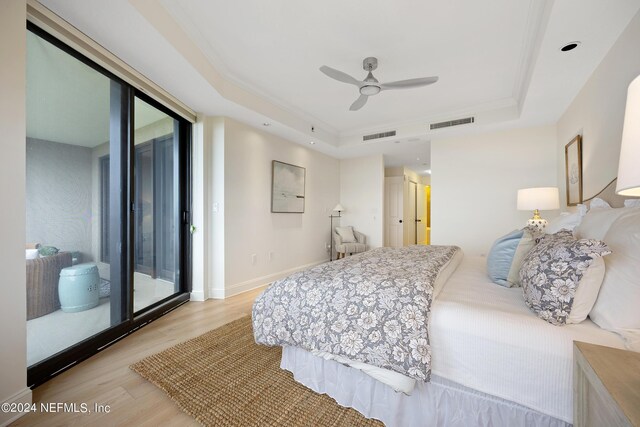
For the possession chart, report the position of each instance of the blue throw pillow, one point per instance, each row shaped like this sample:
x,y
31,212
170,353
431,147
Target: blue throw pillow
x,y
506,257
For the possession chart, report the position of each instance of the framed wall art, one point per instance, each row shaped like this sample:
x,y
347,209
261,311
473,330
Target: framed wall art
x,y
573,170
287,188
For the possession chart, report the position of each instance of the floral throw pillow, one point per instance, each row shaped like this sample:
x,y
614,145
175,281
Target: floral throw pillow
x,y
552,270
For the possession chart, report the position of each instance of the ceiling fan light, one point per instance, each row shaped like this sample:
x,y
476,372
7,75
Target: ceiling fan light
x,y
369,90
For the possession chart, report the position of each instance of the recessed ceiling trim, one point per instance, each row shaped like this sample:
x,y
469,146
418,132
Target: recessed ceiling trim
x,y
536,100
156,14
537,20
243,74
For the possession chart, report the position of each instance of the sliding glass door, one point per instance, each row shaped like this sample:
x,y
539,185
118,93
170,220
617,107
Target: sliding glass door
x,y
68,129
156,205
107,209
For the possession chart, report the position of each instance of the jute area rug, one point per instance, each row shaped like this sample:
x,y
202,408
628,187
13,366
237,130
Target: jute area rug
x,y
223,378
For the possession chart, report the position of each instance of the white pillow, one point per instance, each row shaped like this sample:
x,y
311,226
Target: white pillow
x,y
618,305
596,223
598,203
582,209
565,221
32,253
632,203
587,292
346,233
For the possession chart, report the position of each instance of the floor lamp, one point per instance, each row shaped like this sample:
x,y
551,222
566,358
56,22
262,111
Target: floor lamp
x,y
339,209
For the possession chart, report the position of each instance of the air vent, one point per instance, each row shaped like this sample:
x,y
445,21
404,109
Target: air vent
x,y
379,135
450,123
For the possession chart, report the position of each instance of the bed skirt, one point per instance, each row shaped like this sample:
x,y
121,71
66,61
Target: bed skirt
x,y
440,402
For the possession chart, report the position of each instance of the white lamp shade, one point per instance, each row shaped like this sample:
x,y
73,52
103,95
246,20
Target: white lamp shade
x,y
629,164
338,208
541,198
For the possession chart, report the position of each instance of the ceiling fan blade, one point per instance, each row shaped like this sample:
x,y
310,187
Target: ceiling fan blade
x,y
407,84
339,75
359,103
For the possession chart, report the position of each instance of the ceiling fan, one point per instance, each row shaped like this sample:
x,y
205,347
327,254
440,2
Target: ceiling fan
x,y
370,85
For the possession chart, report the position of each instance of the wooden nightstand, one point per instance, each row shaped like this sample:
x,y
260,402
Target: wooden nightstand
x,y
606,386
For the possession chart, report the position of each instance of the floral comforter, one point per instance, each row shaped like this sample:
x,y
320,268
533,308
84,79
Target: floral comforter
x,y
373,307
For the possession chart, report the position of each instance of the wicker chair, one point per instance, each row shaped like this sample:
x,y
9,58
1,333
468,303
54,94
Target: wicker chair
x,y
42,283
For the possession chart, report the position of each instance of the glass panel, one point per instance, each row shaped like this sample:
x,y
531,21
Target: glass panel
x,y
69,275
156,213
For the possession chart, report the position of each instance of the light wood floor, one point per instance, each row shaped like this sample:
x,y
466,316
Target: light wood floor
x,y
106,379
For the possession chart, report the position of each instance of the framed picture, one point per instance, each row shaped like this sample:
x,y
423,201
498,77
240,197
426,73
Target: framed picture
x,y
287,188
573,170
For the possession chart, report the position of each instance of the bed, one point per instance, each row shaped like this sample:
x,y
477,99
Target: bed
x,y
493,362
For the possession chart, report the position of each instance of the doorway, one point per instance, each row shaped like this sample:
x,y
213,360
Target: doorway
x,y
407,212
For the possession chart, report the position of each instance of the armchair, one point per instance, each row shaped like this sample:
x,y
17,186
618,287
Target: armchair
x,y
348,247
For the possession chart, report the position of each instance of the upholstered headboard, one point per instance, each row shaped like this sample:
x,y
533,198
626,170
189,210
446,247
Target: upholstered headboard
x,y
608,194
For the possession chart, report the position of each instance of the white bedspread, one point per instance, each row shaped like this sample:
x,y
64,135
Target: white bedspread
x,y
484,337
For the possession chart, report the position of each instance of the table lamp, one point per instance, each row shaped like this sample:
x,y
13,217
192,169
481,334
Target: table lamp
x,y
628,169
536,200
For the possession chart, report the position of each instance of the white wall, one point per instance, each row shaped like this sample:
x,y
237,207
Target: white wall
x,y
597,113
474,182
208,207
362,196
281,242
215,132
13,334
59,196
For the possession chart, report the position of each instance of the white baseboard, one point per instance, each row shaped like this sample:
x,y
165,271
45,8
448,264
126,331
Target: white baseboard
x,y
197,296
217,294
23,396
249,285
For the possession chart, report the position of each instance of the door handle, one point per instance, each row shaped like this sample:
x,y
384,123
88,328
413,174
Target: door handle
x,y
418,220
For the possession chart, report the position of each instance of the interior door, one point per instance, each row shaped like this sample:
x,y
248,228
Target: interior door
x,y
411,215
421,215
393,211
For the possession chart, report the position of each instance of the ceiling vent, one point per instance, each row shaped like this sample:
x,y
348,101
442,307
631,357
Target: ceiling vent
x,y
379,135
450,123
